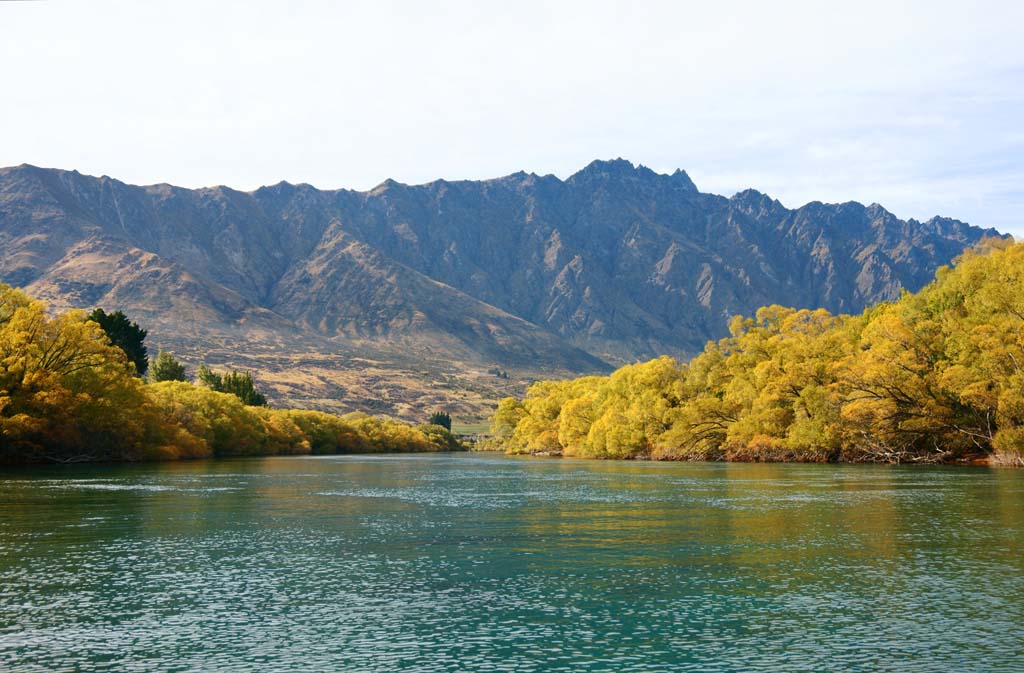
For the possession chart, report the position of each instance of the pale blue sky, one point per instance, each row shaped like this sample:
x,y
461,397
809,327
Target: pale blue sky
x,y
918,106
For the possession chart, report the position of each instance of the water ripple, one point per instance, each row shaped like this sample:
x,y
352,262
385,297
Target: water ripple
x,y
440,563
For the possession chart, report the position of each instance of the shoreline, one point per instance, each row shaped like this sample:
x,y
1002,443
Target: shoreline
x,y
965,461
973,462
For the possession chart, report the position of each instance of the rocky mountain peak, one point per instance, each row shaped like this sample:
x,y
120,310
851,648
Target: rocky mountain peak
x,y
609,170
680,177
623,172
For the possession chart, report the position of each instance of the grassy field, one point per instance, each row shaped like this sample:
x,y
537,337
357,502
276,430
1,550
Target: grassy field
x,y
471,428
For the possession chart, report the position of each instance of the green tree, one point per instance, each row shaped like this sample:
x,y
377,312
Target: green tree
x,y
166,368
210,378
239,384
442,418
124,334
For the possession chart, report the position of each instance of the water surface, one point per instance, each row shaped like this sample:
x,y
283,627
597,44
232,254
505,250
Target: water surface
x,y
483,563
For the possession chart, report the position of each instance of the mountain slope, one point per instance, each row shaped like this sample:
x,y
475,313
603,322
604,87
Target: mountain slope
x,y
438,283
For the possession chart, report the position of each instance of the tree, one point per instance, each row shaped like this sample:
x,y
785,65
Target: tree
x,y
936,376
442,418
166,368
210,378
442,439
66,394
124,334
239,384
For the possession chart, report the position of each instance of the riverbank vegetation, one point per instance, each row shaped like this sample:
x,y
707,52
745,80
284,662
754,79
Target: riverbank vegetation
x,y
937,376
67,394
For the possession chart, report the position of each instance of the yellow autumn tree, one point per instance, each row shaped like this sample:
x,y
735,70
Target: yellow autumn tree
x,y
66,394
936,376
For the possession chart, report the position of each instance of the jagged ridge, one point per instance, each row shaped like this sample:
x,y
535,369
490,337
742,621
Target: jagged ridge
x,y
525,272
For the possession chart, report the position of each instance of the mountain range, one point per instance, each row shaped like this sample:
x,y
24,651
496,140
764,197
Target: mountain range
x,y
405,298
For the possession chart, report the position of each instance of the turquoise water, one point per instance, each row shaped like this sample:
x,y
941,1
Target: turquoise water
x,y
483,563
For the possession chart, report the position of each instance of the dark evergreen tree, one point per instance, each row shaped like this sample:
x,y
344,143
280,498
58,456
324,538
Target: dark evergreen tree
x,y
166,368
124,334
441,418
210,378
239,384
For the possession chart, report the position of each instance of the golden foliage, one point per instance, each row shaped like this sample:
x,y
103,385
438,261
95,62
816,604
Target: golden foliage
x,y
935,376
67,395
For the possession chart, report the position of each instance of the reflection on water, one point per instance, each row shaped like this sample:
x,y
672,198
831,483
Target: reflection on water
x,y
470,563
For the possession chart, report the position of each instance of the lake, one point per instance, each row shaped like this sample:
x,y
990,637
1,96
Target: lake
x,y
468,562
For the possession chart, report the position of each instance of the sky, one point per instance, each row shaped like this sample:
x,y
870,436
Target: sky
x,y
918,106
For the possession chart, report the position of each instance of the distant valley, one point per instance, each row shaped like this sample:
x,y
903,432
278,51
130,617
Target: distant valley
x,y
407,298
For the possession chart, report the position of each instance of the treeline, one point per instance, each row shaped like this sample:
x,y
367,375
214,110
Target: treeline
x,y
933,377
67,394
